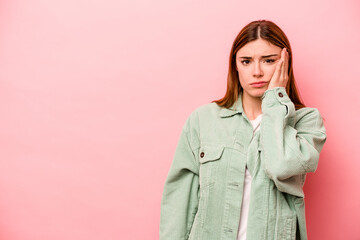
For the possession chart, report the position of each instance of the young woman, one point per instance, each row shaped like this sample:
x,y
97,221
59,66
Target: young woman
x,y
241,161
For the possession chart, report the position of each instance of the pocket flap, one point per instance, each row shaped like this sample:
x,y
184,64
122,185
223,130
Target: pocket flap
x,y
210,153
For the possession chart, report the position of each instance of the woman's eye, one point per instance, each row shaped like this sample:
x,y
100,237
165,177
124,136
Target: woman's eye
x,y
245,62
269,60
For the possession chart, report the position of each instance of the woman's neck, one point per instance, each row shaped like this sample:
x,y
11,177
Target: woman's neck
x,y
251,106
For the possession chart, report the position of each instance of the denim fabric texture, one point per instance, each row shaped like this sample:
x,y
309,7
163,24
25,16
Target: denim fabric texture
x,y
203,190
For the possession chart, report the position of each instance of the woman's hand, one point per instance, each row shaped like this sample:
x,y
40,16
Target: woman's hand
x,y
280,76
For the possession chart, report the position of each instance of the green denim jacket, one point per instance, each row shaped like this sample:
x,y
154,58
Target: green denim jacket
x,y
203,191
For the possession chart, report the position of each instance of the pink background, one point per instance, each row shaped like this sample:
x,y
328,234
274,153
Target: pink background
x,y
93,96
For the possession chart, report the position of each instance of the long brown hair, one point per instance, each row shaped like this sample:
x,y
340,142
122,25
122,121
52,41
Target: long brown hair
x,y
269,31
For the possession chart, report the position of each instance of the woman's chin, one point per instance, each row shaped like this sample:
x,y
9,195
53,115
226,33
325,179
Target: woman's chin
x,y
258,93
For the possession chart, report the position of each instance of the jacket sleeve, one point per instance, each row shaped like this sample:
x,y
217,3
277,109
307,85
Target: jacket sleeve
x,y
180,195
290,143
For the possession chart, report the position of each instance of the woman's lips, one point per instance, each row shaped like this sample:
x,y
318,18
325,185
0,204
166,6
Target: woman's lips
x,y
258,84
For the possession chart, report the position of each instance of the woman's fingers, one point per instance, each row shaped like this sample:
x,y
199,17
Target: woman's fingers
x,y
284,70
282,67
283,57
286,55
277,72
280,77
286,67
274,81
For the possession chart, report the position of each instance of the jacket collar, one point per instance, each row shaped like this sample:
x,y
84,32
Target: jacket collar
x,y
234,109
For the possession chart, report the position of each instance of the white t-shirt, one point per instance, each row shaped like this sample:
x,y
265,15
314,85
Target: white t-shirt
x,y
246,193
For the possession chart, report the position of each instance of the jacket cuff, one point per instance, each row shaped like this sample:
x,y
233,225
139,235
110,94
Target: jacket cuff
x,y
276,97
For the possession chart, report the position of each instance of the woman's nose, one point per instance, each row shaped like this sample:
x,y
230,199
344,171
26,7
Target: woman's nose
x,y
257,71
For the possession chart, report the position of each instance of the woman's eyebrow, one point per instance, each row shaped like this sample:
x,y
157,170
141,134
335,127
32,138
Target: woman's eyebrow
x,y
272,55
266,56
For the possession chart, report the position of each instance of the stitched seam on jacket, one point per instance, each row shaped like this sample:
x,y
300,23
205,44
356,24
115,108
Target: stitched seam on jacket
x,y
298,157
193,149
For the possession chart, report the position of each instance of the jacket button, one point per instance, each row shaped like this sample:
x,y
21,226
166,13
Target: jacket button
x,y
202,154
280,94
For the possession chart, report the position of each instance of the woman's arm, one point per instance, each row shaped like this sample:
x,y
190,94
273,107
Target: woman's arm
x,y
290,143
180,196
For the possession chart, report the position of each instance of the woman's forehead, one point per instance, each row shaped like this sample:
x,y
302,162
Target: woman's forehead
x,y
258,47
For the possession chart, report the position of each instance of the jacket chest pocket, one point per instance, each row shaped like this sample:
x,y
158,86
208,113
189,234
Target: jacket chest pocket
x,y
209,156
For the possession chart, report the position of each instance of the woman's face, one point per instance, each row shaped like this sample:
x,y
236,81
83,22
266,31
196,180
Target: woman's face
x,y
256,62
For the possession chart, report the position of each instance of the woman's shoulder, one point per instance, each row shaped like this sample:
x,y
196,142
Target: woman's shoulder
x,y
207,110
